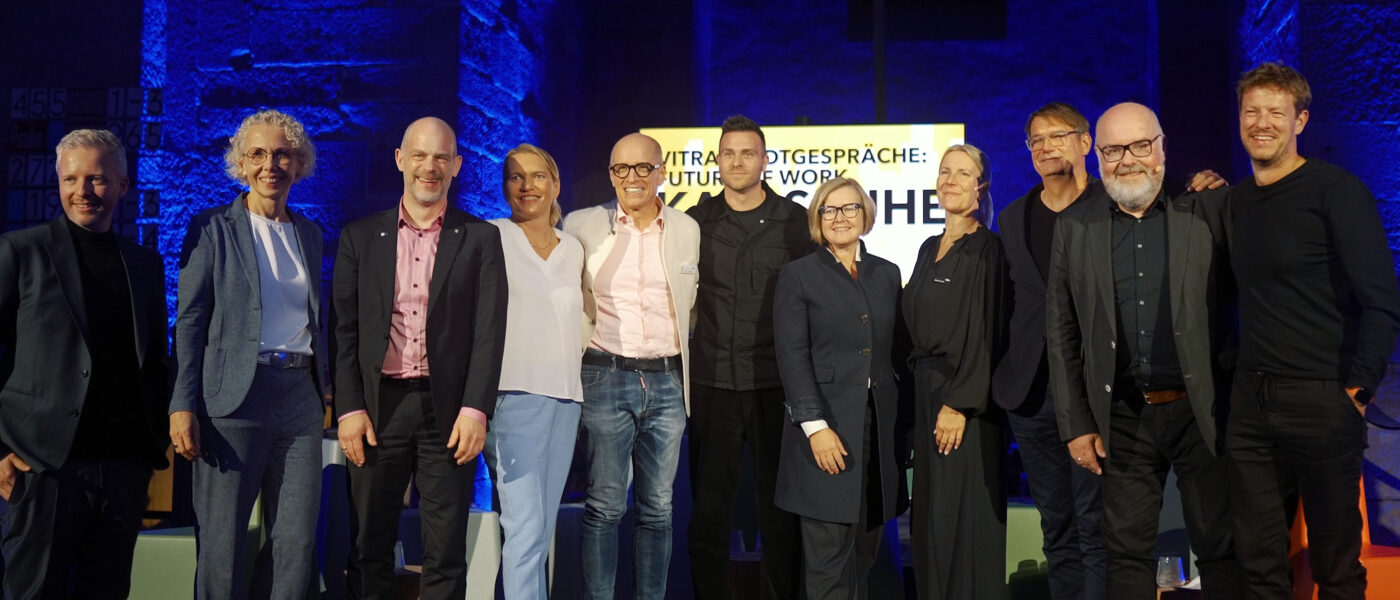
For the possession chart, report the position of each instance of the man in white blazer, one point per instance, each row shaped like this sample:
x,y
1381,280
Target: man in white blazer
x,y
640,271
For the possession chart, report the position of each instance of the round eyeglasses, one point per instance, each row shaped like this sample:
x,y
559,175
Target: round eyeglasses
x,y
620,170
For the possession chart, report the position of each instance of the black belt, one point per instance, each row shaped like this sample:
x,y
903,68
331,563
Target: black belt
x,y
285,360
598,358
412,384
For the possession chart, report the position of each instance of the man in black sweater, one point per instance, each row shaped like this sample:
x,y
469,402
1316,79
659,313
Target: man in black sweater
x,y
83,391
747,233
1319,315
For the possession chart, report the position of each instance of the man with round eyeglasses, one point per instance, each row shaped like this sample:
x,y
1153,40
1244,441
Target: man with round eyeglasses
x,y
640,274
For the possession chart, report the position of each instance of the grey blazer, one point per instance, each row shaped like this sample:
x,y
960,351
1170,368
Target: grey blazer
x,y
219,317
1081,322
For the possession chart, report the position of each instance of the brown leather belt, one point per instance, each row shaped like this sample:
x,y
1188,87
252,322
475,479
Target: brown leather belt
x,y
1162,396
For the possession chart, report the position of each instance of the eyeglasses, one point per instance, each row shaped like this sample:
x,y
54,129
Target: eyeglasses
x,y
281,156
1056,139
849,211
1140,149
620,170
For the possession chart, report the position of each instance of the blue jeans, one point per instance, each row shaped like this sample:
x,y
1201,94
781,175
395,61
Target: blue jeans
x,y
530,447
632,420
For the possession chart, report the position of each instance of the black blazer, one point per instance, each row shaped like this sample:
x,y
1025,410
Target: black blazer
x,y
833,334
43,331
1016,371
1081,329
466,314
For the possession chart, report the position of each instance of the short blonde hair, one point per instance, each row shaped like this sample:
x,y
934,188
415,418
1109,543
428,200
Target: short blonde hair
x,y
555,213
101,140
984,180
292,128
814,216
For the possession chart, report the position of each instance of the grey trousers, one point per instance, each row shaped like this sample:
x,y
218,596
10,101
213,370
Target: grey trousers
x,y
270,446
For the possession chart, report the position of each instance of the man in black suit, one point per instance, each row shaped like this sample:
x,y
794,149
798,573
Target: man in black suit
x,y
1134,336
1069,499
420,286
83,404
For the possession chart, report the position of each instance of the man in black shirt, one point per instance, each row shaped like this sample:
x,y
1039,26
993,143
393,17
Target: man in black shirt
x,y
83,404
1069,499
1319,313
1133,336
747,233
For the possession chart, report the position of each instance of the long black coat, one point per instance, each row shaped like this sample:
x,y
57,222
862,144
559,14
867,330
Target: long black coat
x,y
833,334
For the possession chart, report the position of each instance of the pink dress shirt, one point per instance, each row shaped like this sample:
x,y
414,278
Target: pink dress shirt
x,y
415,255
635,316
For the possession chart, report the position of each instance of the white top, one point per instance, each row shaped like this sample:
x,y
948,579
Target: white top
x,y
283,283
544,345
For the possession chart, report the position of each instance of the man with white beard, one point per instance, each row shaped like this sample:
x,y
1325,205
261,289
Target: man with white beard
x,y
1134,333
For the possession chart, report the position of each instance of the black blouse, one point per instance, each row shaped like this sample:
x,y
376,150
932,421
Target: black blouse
x,y
953,308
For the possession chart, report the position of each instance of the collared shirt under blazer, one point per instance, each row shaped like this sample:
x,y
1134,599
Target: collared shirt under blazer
x,y
680,250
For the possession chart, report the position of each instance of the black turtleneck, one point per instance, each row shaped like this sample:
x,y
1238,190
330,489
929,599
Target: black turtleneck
x,y
112,423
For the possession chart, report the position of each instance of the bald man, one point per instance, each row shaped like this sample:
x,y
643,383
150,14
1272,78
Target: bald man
x,y
640,271
420,301
1134,336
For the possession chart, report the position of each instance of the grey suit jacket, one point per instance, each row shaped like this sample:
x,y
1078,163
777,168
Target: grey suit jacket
x,y
219,317
44,358
1081,322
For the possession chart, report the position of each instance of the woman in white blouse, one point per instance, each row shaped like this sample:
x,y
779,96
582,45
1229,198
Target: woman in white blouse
x,y
246,406
531,440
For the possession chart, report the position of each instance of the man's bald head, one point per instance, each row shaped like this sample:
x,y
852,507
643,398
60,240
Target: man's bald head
x,y
1132,159
428,159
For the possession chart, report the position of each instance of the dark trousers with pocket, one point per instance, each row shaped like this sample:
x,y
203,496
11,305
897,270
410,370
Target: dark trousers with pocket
x,y
1289,438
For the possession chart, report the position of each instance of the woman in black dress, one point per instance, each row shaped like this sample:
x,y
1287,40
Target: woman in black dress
x,y
952,306
835,324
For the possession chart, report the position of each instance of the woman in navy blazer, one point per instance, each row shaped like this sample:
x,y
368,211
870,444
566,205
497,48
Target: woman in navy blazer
x,y
835,320
247,403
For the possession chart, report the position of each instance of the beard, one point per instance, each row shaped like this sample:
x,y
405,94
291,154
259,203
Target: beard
x,y
1135,196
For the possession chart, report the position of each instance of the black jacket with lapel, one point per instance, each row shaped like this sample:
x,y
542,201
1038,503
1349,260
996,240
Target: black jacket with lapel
x,y
44,329
1081,323
466,314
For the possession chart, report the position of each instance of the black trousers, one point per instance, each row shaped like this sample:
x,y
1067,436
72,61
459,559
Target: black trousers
x,y
1291,437
1069,499
1147,441
721,421
837,557
71,533
409,444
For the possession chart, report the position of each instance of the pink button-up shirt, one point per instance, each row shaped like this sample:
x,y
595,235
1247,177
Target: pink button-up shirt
x,y
635,314
415,254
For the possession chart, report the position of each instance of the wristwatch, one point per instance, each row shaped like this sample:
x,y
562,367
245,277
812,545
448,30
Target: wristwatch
x,y
1363,396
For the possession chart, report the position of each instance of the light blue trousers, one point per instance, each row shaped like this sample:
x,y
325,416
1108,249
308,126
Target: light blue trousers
x,y
529,447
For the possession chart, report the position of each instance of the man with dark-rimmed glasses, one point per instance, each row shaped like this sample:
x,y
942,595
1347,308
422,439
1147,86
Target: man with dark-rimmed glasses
x,y
1136,294
640,274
